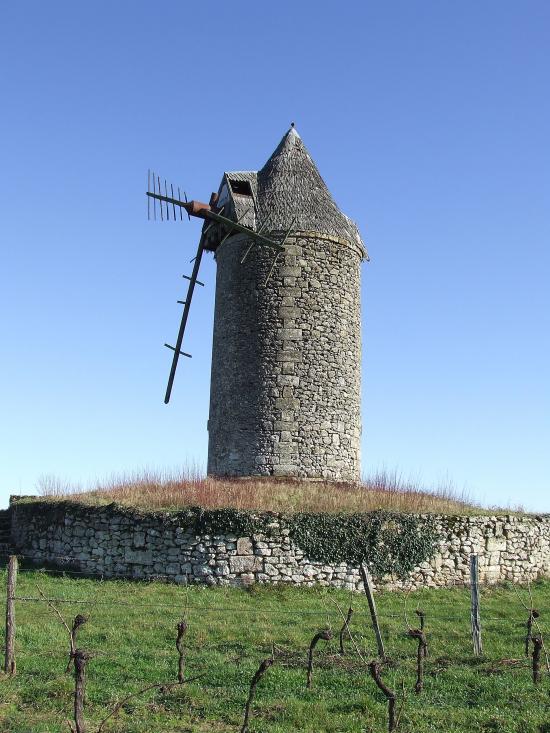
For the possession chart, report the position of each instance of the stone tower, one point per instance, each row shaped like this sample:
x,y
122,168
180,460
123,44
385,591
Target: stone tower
x,y
286,355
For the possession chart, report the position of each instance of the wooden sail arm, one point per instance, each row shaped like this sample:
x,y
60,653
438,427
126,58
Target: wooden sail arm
x,y
204,211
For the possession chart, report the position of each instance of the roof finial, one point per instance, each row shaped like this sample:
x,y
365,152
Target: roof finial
x,y
292,124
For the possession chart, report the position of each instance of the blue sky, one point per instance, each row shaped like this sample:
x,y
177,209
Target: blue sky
x,y
429,122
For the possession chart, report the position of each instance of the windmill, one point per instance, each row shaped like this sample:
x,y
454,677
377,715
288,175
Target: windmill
x,y
285,375
216,226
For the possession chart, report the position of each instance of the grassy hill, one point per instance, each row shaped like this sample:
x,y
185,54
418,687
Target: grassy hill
x,y
173,491
131,634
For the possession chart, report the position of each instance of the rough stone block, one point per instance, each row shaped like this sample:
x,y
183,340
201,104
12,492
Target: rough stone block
x,y
285,425
289,355
290,334
287,271
288,380
286,311
244,546
285,403
293,249
495,544
245,564
138,556
286,448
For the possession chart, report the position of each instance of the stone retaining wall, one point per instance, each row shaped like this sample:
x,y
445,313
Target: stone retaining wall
x,y
119,543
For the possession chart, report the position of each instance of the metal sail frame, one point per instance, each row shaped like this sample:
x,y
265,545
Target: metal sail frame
x,y
204,211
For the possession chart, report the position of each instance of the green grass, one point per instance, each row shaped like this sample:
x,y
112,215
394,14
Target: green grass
x,y
131,632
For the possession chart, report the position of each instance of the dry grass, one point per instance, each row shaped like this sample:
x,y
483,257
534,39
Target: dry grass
x,y
171,491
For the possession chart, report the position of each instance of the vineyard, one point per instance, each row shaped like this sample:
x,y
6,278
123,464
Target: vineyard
x,y
128,633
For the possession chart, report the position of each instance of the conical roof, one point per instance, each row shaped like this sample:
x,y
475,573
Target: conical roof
x,y
289,185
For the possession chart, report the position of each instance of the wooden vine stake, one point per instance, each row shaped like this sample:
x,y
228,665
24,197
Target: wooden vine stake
x,y
9,658
345,629
326,635
374,668
475,615
367,585
262,669
182,629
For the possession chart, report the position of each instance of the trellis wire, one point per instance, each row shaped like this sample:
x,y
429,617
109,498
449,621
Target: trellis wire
x,y
238,609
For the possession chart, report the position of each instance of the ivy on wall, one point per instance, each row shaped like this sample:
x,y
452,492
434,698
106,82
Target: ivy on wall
x,y
232,521
387,542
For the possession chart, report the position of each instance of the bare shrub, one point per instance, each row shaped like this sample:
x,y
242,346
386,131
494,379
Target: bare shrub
x,y
50,485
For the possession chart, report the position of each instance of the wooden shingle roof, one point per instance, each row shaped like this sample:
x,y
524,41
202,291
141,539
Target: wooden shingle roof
x,y
288,186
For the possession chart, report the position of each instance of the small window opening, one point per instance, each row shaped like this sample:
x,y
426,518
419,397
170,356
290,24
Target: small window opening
x,y
241,187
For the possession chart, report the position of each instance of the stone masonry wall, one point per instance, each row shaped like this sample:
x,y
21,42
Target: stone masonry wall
x,y
118,543
286,360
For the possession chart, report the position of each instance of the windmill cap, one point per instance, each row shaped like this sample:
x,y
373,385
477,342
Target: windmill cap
x,y
289,185
289,192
